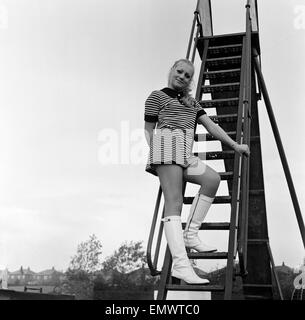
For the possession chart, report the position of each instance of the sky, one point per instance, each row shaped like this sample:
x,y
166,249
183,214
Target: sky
x,y
74,78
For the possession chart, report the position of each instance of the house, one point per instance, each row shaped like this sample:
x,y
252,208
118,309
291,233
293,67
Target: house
x,y
20,276
49,276
28,277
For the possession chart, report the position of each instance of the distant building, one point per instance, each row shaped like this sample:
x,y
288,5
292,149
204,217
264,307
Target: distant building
x,y
49,276
284,269
21,276
28,277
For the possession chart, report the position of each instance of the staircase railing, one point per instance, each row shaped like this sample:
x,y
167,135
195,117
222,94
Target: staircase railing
x,y
153,264
243,223
246,88
204,27
280,147
240,191
198,31
237,185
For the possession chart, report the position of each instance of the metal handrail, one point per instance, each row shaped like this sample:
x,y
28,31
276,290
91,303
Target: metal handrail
x,y
276,278
243,226
199,31
253,5
280,147
235,202
153,265
198,34
196,13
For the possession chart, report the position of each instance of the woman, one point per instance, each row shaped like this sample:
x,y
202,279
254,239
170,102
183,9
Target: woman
x,y
175,113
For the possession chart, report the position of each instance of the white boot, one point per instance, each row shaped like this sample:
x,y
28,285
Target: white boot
x,y
182,268
198,212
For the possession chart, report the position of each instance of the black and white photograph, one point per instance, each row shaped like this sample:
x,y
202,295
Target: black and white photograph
x,y
153,151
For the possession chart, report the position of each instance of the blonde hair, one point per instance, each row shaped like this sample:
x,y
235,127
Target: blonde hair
x,y
186,96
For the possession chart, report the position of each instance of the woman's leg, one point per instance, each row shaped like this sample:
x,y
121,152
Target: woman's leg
x,y
209,180
203,175
171,179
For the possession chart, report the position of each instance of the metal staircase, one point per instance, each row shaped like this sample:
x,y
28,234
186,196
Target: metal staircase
x,y
227,73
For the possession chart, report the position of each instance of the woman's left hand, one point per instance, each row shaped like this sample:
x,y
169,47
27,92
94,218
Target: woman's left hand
x,y
242,149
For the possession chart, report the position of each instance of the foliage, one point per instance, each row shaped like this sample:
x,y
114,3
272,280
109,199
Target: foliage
x,y
129,257
88,256
88,278
79,276
79,285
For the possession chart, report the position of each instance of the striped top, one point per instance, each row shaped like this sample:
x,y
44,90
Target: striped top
x,y
163,106
173,138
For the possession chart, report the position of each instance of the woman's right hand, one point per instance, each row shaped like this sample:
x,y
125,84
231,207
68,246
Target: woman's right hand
x,y
242,149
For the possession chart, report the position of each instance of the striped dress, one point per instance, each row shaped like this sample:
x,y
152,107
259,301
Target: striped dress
x,y
173,137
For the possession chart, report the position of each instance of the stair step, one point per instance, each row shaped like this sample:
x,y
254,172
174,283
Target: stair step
x,y
257,285
208,137
226,47
224,61
226,175
220,40
225,39
222,199
233,73
215,155
208,255
217,200
215,51
234,86
257,241
194,287
231,102
256,297
212,226
224,118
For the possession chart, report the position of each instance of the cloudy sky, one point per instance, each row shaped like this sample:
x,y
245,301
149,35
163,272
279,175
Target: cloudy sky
x,y
74,78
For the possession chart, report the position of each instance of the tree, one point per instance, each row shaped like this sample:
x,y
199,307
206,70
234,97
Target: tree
x,y
80,274
129,257
88,256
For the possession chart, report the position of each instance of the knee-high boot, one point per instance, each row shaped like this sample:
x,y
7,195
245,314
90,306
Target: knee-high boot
x,y
182,268
198,212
